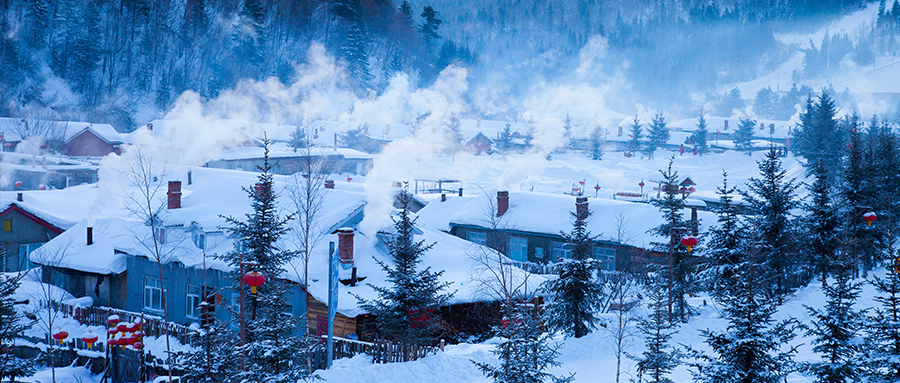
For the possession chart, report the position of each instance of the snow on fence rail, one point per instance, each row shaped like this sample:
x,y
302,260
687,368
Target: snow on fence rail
x,y
534,268
152,325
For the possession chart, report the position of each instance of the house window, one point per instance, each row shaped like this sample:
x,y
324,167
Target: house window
x,y
559,251
237,166
476,237
193,302
7,225
607,258
518,248
24,251
200,240
152,294
539,252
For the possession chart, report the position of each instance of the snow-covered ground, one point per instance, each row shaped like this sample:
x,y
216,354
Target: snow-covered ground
x,y
591,358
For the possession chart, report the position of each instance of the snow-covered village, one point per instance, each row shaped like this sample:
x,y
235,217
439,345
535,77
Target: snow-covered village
x,y
401,191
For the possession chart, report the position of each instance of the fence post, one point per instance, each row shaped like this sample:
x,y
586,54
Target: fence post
x,y
442,345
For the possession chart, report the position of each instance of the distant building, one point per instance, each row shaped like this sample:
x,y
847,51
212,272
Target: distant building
x,y
479,144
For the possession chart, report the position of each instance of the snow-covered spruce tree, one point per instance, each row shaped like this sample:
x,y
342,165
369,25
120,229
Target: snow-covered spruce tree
x,y
743,135
637,136
212,360
837,330
575,296
12,326
680,266
659,134
273,351
771,198
819,137
701,135
406,309
820,237
724,249
525,351
883,340
659,358
750,350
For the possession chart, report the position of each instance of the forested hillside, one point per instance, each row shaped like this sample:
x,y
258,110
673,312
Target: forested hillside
x,y
125,61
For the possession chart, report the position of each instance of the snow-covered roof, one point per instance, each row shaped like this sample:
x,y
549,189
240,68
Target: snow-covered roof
x,y
218,192
60,208
10,128
282,150
550,214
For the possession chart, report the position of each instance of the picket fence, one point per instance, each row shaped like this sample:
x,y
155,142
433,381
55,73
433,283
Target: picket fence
x,y
152,325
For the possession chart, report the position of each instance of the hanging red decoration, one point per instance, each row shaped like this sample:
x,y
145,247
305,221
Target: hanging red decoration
x,y
138,345
254,279
19,184
112,320
112,342
870,217
122,327
689,242
60,336
90,338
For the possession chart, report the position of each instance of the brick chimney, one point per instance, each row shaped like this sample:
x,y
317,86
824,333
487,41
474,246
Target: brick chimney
x,y
581,208
90,235
150,126
329,184
174,195
345,245
502,202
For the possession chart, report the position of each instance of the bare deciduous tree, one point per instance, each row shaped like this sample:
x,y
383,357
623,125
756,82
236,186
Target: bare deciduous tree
x,y
306,191
146,201
48,256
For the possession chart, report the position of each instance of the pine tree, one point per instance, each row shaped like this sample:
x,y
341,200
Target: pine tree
x,y
659,358
659,134
597,143
635,143
503,143
883,340
453,136
764,104
701,135
726,242
818,137
525,352
821,239
212,360
576,294
680,266
835,330
732,100
429,28
771,199
750,349
743,135
406,309
272,352
12,326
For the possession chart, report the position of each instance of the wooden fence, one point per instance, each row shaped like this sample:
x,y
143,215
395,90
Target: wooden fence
x,y
152,325
380,351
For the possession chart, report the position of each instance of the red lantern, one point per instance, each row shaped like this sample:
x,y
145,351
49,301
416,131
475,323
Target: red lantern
x,y
689,242
19,184
60,336
254,279
138,345
349,179
138,334
112,320
138,324
597,187
870,217
112,342
641,184
122,327
691,189
89,338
